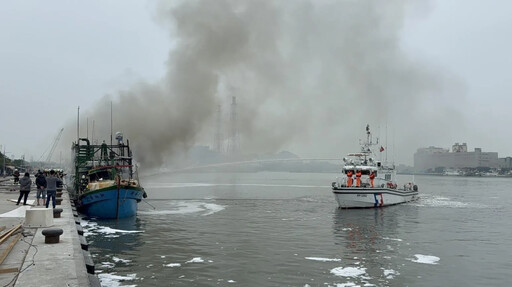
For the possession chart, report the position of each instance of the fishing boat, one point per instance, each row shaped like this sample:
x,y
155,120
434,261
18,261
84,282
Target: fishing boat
x,y
366,182
104,183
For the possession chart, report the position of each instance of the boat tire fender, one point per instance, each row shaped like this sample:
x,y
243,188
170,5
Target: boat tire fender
x,y
415,188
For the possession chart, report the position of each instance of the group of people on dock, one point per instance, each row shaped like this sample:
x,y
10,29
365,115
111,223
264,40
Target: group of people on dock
x,y
46,183
358,174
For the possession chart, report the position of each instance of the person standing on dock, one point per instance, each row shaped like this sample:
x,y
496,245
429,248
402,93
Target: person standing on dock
x,y
25,184
41,187
16,175
51,187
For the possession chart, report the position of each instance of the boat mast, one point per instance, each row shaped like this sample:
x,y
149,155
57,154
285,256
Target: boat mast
x,y
92,133
386,142
78,126
118,191
368,142
111,123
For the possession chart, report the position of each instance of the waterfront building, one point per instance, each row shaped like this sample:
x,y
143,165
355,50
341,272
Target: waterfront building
x,y
436,159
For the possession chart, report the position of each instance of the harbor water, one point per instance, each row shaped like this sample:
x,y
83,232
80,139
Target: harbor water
x,y
284,229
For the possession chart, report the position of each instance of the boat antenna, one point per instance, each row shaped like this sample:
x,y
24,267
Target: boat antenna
x,y
110,123
393,146
386,142
78,126
92,133
87,129
368,134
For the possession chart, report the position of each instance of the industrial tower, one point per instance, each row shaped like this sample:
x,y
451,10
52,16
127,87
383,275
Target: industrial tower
x,y
233,143
217,141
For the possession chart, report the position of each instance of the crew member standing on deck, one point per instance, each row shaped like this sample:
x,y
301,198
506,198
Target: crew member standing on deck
x,y
358,178
349,178
372,177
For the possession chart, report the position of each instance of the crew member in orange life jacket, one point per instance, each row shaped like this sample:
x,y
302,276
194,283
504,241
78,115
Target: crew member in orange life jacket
x,y
372,177
349,178
358,178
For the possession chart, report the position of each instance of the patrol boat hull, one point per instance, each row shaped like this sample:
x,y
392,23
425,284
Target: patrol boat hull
x,y
349,197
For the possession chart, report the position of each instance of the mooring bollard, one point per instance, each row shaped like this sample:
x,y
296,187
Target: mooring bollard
x,y
79,229
58,201
57,212
51,235
58,194
83,242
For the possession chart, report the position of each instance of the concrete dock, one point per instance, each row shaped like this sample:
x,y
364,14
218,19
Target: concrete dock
x,y
28,260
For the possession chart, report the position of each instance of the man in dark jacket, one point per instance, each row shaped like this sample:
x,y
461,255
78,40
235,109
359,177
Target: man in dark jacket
x,y
25,183
16,175
51,187
41,187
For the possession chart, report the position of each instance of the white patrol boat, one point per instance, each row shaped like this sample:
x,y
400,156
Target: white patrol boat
x,y
367,183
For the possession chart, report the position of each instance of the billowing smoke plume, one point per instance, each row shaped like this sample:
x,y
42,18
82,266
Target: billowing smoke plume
x,y
308,76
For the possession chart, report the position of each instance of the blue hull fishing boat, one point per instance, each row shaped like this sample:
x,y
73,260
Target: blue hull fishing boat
x,y
104,183
111,202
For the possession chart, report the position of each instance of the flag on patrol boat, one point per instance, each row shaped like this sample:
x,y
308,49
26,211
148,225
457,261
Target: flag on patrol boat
x,y
381,148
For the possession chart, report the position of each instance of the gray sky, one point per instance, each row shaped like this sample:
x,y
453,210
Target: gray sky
x,y
308,77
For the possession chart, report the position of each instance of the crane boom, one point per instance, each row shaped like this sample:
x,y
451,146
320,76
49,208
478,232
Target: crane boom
x,y
57,138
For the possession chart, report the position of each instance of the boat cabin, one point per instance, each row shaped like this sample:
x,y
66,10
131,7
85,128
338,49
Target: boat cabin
x,y
365,170
100,174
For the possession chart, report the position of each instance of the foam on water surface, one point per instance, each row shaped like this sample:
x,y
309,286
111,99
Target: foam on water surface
x,y
425,259
195,260
117,259
187,207
92,227
113,280
346,284
441,201
107,265
390,273
394,239
349,271
323,259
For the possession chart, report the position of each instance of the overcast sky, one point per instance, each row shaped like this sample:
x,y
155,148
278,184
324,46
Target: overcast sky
x,y
58,55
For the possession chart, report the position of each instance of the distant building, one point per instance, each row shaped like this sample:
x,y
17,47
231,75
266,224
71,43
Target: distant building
x,y
505,162
460,147
434,159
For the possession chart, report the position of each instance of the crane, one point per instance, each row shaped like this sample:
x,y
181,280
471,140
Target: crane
x,y
57,138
